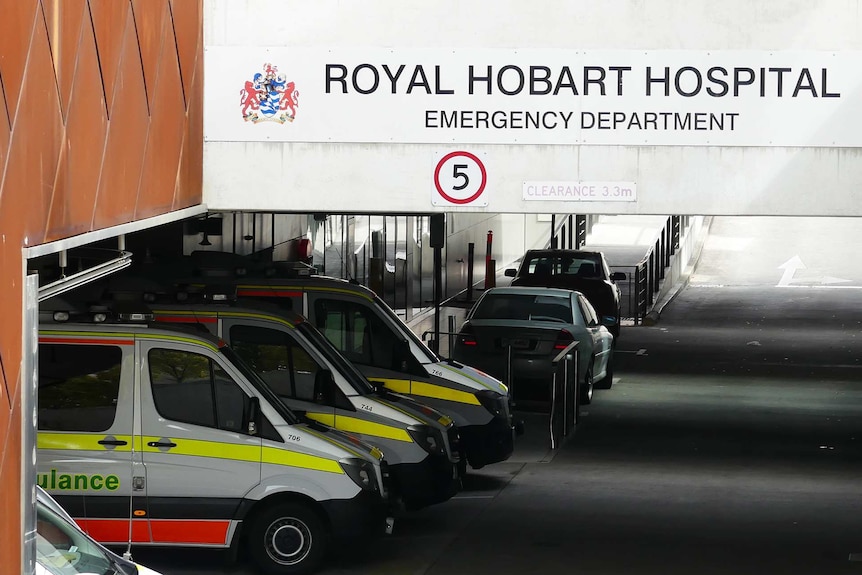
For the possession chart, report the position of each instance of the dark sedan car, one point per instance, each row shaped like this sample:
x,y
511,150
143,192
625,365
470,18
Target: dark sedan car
x,y
584,271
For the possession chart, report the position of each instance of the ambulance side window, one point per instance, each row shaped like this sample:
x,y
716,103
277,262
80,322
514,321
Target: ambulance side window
x,y
192,388
361,336
78,386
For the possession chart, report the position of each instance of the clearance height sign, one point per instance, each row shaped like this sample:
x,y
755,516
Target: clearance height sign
x,y
563,97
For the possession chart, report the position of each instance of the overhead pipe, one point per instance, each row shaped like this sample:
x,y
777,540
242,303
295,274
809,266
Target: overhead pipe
x,y
78,279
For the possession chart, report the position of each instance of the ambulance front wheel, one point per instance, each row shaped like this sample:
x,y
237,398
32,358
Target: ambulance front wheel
x,y
288,538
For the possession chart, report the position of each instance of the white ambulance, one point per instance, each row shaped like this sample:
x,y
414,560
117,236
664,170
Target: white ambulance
x,y
164,436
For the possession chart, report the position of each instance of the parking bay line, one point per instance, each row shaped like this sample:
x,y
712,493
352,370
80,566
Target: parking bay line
x,y
641,351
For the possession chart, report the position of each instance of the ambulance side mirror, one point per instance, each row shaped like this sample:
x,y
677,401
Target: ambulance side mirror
x,y
401,356
324,387
252,416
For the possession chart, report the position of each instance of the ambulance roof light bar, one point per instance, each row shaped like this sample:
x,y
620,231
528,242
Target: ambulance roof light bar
x,y
289,269
104,314
220,294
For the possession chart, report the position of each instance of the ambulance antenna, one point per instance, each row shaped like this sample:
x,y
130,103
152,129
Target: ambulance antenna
x,y
127,554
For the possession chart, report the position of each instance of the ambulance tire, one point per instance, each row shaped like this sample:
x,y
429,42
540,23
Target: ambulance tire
x,y
288,538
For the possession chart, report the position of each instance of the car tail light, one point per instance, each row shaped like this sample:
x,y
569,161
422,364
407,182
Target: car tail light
x,y
564,338
467,337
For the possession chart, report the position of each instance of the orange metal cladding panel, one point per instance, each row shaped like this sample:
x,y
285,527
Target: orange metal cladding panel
x,y
191,168
5,132
127,138
16,27
165,143
64,18
81,159
187,16
111,20
34,148
150,19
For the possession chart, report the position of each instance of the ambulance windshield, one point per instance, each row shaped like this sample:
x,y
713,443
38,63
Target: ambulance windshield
x,y
398,324
331,353
260,385
62,549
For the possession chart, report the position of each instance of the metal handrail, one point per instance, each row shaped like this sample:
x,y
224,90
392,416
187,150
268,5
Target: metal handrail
x,y
565,357
645,276
569,363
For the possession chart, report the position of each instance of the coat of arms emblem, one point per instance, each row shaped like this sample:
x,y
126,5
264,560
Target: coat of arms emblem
x,y
269,97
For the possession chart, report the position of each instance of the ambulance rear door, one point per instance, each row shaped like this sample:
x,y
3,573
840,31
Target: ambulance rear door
x,y
85,421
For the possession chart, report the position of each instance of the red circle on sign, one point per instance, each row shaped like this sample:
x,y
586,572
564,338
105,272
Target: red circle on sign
x,y
446,196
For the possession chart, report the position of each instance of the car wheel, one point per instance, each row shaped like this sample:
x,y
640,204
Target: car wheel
x,y
577,408
608,380
609,377
288,538
616,330
587,385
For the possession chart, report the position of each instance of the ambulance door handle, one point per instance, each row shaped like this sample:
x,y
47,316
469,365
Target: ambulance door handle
x,y
113,442
161,444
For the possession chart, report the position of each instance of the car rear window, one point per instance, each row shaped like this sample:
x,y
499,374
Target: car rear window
x,y
584,266
524,307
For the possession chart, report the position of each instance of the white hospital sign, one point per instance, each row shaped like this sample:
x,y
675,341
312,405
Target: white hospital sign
x,y
484,96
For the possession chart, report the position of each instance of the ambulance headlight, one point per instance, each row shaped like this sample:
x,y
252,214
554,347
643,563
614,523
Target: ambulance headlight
x,y
496,403
361,472
430,439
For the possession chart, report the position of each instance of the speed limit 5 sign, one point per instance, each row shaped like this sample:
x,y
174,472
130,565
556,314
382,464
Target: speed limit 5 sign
x,y
460,179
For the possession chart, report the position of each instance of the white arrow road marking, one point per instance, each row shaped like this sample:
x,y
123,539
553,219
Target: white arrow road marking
x,y
819,287
825,280
795,263
790,267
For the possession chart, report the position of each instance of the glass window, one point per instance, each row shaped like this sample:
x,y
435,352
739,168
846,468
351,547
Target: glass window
x,y
62,549
78,386
583,265
230,401
192,388
590,316
358,333
524,307
289,370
